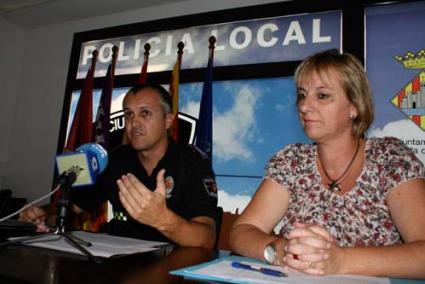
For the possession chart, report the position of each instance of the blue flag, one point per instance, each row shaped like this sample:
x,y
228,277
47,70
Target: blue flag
x,y
204,131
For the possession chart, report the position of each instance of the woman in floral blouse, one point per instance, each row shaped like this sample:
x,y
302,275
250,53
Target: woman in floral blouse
x,y
348,205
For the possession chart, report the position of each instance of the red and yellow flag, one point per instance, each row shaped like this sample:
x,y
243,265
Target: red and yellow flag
x,y
174,91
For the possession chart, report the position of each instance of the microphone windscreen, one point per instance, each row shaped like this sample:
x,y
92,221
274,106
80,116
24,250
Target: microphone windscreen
x,y
97,150
91,158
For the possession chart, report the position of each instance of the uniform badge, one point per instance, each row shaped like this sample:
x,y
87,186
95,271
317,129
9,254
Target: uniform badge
x,y
169,186
210,186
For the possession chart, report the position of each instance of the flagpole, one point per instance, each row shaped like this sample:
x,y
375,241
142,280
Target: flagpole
x,y
144,70
114,59
180,47
211,47
174,91
204,127
147,48
95,53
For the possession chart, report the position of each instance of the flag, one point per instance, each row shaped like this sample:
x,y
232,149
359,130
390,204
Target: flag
x,y
82,124
174,91
204,129
93,221
144,71
102,124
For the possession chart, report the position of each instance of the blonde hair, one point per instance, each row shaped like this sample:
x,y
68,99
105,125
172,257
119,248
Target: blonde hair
x,y
352,78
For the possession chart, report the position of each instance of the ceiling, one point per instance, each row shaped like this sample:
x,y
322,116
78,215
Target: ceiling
x,y
30,14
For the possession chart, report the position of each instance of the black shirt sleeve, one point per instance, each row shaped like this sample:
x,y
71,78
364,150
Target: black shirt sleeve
x,y
199,185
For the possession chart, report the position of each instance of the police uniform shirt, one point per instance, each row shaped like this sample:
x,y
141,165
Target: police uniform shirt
x,y
189,180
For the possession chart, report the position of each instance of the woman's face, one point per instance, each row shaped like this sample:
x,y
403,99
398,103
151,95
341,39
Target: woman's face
x,y
323,107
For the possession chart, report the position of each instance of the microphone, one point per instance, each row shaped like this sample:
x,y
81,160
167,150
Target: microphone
x,y
82,167
79,168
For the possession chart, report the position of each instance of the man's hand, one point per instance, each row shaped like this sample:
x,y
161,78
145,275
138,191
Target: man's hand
x,y
36,215
143,205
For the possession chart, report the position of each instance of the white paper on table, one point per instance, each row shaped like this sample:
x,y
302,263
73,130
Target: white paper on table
x,y
224,270
102,244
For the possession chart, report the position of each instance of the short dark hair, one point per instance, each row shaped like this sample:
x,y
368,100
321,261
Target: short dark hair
x,y
164,95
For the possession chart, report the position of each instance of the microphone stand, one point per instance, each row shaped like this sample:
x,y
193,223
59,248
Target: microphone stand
x,y
65,182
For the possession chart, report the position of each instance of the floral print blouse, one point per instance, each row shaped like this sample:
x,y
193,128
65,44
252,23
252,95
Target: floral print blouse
x,y
360,217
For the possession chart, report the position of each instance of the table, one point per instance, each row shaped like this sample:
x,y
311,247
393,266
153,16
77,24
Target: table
x,y
21,264
24,264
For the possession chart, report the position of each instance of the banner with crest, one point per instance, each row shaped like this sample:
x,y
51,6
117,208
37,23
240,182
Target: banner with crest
x,y
395,63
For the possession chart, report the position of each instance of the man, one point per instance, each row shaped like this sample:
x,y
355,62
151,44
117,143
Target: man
x,y
159,190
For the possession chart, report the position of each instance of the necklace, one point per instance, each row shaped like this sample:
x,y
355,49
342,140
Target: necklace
x,y
334,185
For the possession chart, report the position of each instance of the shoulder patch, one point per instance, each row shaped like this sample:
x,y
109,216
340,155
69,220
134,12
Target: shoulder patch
x,y
210,186
169,186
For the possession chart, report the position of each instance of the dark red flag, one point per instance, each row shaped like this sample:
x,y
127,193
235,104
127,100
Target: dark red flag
x,y
82,124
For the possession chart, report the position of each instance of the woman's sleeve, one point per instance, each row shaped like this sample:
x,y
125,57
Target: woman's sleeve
x,y
402,165
280,167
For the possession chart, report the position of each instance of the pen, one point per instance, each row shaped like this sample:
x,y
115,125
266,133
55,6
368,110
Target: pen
x,y
263,270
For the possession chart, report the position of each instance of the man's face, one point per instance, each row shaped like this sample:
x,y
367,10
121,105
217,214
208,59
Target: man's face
x,y
146,123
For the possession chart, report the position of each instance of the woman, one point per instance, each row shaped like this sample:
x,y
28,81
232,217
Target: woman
x,y
348,205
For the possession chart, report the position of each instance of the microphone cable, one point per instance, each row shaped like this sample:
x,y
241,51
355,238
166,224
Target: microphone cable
x,y
29,204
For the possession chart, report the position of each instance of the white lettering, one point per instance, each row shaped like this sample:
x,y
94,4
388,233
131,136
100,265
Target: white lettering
x,y
105,53
260,35
137,44
121,49
316,37
188,44
154,40
88,53
246,32
117,123
294,33
112,127
168,44
232,38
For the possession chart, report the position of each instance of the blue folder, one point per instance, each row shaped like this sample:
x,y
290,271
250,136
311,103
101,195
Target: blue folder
x,y
192,272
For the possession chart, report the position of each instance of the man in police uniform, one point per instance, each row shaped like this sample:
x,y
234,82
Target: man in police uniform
x,y
159,190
